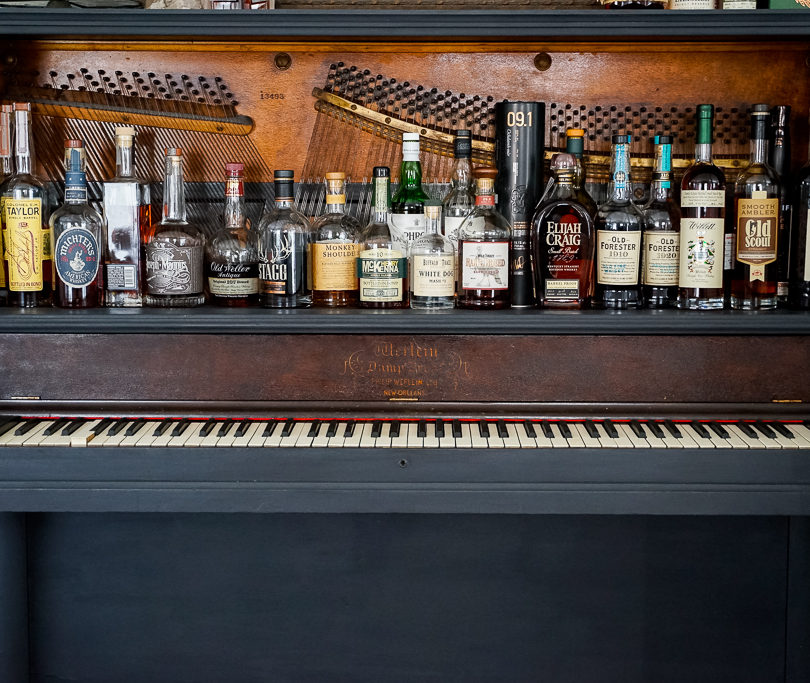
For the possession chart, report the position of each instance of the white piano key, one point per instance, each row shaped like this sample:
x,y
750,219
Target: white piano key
x,y
227,439
163,440
384,439
148,435
557,439
447,441
477,440
465,440
353,441
83,435
525,440
540,439
304,440
244,440
778,441
513,440
320,440
652,440
9,433
295,434
113,440
57,439
627,432
686,440
132,440
366,440
733,440
180,440
785,441
758,441
195,439
430,440
575,440
103,437
494,440
802,439
34,434
588,441
604,440
401,441
274,440
700,441
414,441
337,440
669,440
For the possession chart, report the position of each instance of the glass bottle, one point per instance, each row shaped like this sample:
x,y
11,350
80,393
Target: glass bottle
x,y
433,266
407,218
285,238
800,242
460,200
77,232
232,254
779,159
633,4
575,145
382,267
174,251
756,223
26,233
483,249
703,209
6,171
335,248
128,215
563,241
618,236
661,238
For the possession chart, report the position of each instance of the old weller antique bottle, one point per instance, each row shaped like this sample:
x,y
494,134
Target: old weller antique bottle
x,y
563,242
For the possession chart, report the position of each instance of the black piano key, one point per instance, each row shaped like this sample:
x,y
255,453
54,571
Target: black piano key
x,y
376,429
547,431
72,427
590,427
223,430
565,430
719,429
456,429
530,432
24,428
331,430
765,429
269,428
349,431
673,429
701,430
207,427
784,431
483,429
241,430
395,427
101,426
7,424
747,429
656,430
610,429
439,429
421,429
55,427
637,429
117,427
160,430
179,428
503,432
136,425
313,430
289,425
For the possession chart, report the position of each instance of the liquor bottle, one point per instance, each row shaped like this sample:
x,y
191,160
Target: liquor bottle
x,y
27,237
800,242
460,201
174,251
756,223
128,215
433,266
77,232
779,159
407,218
335,248
563,241
382,267
661,238
483,250
703,209
6,171
232,254
618,236
285,238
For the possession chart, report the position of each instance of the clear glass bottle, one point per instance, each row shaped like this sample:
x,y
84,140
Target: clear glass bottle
x,y
382,267
77,232
407,217
756,223
433,266
483,250
174,251
800,242
661,238
285,239
618,236
460,200
703,242
6,171
128,215
575,145
563,241
232,254
334,251
25,223
779,159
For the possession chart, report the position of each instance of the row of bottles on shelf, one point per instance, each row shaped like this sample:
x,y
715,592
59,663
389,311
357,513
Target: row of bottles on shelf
x,y
674,251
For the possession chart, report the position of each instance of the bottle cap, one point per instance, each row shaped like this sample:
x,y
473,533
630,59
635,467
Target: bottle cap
x,y
760,110
336,175
234,169
7,108
174,152
22,106
663,139
462,144
124,132
381,172
410,146
760,120
410,137
70,144
433,211
620,139
283,175
575,133
563,162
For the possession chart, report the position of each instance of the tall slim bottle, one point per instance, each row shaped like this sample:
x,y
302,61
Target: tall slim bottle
x,y
460,200
779,159
703,211
174,251
6,171
128,214
26,232
618,236
407,218
800,243
756,222
661,240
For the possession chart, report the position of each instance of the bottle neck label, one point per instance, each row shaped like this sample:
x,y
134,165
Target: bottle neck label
x,y
76,257
485,200
234,187
620,175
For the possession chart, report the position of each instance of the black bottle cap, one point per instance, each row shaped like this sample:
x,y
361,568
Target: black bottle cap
x,y
381,172
462,144
283,182
618,139
663,139
760,121
283,175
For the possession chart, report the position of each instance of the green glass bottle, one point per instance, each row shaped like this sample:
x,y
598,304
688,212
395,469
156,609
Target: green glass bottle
x,y
407,217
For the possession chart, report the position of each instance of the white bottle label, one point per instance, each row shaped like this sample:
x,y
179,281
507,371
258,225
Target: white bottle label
x,y
691,4
485,265
434,274
618,256
701,253
661,258
405,228
697,199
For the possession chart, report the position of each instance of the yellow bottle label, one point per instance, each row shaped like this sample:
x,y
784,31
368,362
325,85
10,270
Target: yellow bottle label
x,y
24,244
333,266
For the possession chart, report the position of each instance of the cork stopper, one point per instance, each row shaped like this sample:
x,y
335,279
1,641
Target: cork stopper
x,y
433,211
485,179
124,132
335,187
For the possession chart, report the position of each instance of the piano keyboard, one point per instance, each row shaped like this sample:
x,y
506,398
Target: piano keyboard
x,y
426,433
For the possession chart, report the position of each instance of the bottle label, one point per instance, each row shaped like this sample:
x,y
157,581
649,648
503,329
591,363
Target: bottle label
x,y
757,221
618,255
691,4
701,244
698,199
661,258
739,4
333,266
561,289
173,270
405,228
282,263
233,280
76,259
3,257
25,244
76,193
434,275
728,251
485,265
381,273
121,277
451,227
234,187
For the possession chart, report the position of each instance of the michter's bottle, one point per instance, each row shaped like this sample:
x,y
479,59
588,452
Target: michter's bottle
x,y
6,171
563,241
26,235
232,255
174,251
77,234
703,210
460,201
756,222
661,240
800,243
407,218
433,266
128,215
334,252
483,250
779,159
285,237
618,236
382,267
